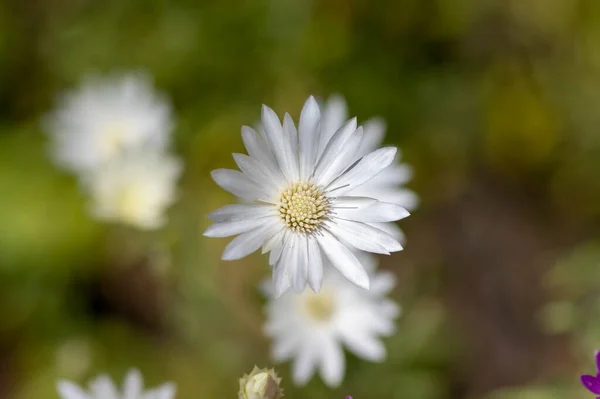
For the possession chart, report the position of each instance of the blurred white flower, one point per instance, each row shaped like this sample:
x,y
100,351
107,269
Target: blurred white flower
x,y
312,328
299,184
103,388
386,186
134,189
105,116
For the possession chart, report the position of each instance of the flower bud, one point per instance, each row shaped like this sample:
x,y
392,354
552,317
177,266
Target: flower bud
x,y
260,384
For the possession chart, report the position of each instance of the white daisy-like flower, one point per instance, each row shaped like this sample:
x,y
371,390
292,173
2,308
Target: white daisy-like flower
x,y
312,329
388,185
103,387
134,189
298,185
105,116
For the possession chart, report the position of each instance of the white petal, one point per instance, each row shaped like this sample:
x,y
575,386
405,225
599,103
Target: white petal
x,y
357,237
394,174
392,229
231,228
291,261
284,347
299,277
257,147
400,196
333,116
407,198
273,242
315,265
343,260
374,133
289,128
281,278
382,283
364,345
241,212
291,141
390,309
368,261
370,212
367,168
380,236
103,387
304,364
308,132
333,364
335,148
352,203
238,184
278,143
132,387
258,173
250,241
276,253
68,390
278,324
344,159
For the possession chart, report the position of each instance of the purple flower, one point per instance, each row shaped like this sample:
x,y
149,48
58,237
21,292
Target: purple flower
x,y
589,381
348,397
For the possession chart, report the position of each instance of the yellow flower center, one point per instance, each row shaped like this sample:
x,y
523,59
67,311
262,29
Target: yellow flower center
x,y
303,207
319,307
130,202
113,140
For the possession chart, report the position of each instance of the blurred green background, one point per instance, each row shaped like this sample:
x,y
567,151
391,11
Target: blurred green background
x,y
495,103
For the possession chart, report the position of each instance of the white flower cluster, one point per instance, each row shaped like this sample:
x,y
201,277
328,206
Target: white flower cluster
x,y
321,198
114,134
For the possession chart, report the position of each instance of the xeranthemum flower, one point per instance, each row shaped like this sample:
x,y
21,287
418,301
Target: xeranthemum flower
x,y
135,188
105,116
298,184
103,388
312,328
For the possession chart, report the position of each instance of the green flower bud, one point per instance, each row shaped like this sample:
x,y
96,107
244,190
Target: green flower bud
x,y
260,384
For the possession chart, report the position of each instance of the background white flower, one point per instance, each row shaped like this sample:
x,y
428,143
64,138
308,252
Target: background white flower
x,y
134,189
311,329
300,188
104,116
103,388
388,185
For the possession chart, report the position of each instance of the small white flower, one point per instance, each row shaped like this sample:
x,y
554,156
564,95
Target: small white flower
x,y
388,185
134,189
299,185
103,388
105,116
312,328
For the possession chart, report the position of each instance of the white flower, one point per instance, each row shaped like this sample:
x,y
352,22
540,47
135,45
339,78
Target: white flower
x,y
134,189
299,185
312,328
103,388
96,122
388,185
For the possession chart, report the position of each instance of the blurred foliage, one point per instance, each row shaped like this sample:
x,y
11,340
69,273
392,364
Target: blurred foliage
x,y
504,91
